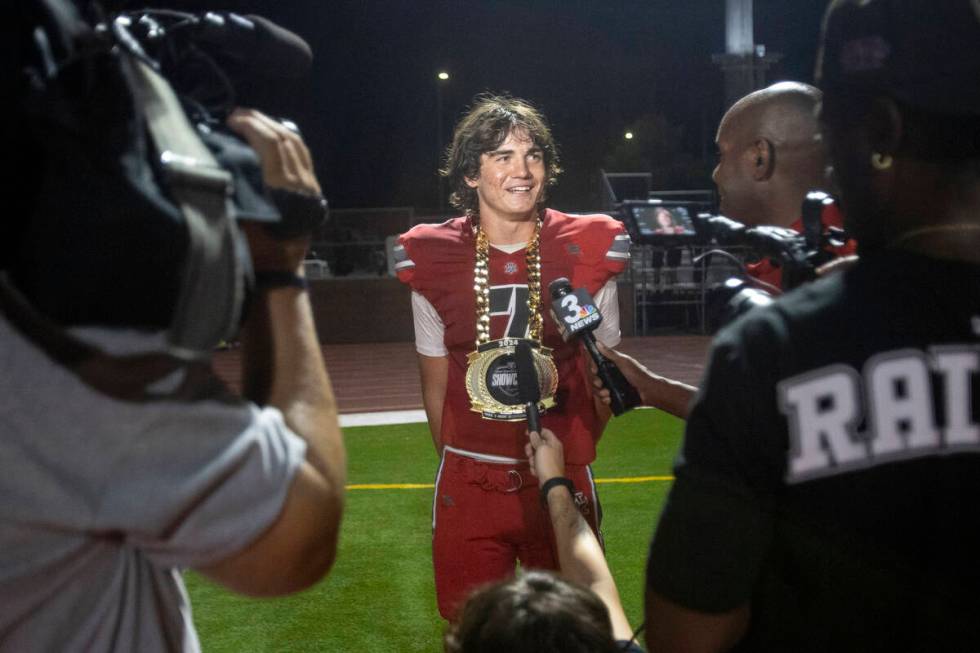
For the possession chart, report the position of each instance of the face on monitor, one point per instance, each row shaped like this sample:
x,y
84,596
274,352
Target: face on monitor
x,y
663,221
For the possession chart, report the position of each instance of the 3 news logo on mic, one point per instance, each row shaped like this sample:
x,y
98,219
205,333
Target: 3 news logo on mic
x,y
577,316
575,312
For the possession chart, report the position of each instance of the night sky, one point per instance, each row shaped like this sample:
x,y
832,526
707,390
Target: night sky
x,y
370,112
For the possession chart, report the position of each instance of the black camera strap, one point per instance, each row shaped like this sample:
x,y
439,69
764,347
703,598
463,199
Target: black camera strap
x,y
216,263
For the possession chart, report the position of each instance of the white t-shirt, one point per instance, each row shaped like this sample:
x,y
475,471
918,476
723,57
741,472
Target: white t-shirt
x,y
105,501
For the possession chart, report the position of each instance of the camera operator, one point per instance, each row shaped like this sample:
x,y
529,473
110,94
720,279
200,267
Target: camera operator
x,y
125,462
770,155
825,496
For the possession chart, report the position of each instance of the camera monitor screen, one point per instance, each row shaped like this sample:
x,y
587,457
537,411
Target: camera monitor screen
x,y
661,222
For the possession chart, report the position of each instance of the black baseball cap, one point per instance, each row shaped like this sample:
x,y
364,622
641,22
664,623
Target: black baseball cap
x,y
924,53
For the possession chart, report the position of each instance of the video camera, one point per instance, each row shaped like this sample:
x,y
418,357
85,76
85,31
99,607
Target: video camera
x,y
217,61
798,255
131,186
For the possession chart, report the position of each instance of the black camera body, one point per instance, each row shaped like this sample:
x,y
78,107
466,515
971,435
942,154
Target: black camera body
x,y
103,234
798,254
673,225
217,61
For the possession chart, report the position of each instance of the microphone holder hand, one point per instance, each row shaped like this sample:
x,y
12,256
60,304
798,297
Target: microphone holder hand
x,y
622,395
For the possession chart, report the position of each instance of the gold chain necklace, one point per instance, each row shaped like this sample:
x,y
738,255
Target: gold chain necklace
x,y
481,284
491,369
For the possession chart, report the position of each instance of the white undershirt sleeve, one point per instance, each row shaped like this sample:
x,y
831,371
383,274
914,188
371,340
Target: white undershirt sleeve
x,y
429,329
607,300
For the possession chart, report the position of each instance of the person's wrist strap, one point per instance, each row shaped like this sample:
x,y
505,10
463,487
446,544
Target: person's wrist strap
x,y
266,279
552,482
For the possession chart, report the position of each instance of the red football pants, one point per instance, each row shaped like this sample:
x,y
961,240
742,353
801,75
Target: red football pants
x,y
487,516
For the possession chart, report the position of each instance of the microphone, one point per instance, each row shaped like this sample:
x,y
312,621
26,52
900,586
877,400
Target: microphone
x,y
528,389
577,316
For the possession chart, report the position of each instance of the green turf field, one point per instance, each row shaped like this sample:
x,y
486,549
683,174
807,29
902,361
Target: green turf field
x,y
379,595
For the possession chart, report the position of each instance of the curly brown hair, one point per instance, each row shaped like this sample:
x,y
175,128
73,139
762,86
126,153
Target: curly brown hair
x,y
490,120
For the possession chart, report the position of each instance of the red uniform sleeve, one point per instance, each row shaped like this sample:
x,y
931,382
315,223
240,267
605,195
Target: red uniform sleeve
x,y
605,251
430,258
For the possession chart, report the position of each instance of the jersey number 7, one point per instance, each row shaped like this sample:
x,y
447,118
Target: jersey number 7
x,y
511,301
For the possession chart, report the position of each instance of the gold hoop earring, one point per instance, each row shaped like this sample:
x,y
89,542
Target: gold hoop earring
x,y
881,161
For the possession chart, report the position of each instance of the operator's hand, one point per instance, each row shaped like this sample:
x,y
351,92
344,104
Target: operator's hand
x,y
286,161
545,455
638,376
286,164
656,391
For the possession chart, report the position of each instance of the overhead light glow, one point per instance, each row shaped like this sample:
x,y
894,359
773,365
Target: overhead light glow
x,y
443,75
628,136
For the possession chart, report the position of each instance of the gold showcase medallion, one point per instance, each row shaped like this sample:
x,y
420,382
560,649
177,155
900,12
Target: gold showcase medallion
x,y
491,379
491,374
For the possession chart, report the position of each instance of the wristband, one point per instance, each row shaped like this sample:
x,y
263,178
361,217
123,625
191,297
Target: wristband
x,y
267,279
552,482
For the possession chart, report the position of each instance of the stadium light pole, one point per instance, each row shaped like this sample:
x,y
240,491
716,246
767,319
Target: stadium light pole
x,y
442,77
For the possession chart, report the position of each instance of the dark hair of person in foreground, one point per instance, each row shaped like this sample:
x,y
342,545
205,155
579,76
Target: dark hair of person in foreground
x,y
535,612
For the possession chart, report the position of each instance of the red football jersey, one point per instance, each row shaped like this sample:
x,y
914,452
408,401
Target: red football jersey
x,y
438,263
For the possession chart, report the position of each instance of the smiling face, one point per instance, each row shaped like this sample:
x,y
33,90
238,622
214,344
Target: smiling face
x,y
511,180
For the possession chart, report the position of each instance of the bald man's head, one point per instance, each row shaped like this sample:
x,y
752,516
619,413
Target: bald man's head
x,y
770,154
